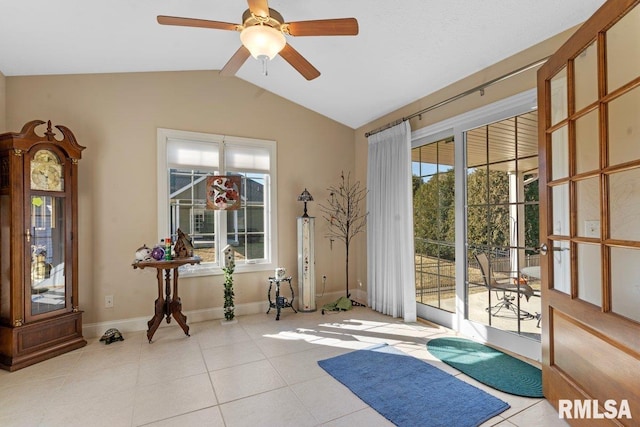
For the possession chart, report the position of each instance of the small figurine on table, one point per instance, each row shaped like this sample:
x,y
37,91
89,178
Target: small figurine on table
x,y
143,253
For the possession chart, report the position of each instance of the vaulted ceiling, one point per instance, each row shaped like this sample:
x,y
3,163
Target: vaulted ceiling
x,y
405,50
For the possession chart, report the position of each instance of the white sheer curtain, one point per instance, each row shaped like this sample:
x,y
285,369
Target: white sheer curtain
x,y
390,253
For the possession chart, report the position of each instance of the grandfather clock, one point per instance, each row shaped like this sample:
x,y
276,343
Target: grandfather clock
x,y
39,313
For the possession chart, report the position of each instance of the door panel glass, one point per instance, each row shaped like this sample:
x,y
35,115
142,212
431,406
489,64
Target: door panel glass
x,y
5,261
479,298
588,206
586,77
498,181
559,104
527,131
502,140
623,50
624,128
502,224
624,190
560,153
48,290
532,224
477,225
590,274
561,266
560,200
434,223
587,143
625,292
499,223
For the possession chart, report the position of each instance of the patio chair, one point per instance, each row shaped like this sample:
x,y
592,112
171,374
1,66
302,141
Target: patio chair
x,y
505,289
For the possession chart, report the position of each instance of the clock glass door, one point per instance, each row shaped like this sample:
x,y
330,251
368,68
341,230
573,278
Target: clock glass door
x,y
47,253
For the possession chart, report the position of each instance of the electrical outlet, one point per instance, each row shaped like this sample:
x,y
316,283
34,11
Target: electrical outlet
x,y
108,301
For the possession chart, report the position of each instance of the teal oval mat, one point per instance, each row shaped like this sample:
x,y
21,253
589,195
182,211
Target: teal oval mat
x,y
489,366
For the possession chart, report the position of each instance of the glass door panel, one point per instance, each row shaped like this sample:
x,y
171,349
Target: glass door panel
x,y
586,77
560,153
47,244
623,50
502,225
590,274
588,207
5,261
625,268
587,143
559,104
434,223
561,267
624,128
527,134
502,141
560,200
624,205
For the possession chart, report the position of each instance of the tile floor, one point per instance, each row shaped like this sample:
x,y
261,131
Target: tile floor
x,y
256,372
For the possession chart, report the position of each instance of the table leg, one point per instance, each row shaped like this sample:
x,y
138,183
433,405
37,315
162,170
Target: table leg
x,y
176,305
167,283
278,301
269,297
160,306
292,296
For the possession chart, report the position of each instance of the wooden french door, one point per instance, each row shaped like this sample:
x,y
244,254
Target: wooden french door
x,y
589,150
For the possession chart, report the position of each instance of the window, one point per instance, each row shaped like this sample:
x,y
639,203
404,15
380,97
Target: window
x,y
185,160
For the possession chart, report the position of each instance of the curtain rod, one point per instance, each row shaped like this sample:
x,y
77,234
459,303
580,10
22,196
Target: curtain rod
x,y
479,88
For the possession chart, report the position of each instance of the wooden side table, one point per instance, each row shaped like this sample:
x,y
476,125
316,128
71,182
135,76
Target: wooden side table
x,y
166,305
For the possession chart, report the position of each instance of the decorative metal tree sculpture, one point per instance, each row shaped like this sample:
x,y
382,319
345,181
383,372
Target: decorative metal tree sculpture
x,y
344,215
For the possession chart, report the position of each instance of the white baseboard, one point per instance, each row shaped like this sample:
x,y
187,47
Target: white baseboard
x,y
92,330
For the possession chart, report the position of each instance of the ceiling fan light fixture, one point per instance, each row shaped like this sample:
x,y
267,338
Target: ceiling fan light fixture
x,y
262,40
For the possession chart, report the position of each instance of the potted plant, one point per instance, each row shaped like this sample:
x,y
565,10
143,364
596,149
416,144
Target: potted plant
x,y
229,265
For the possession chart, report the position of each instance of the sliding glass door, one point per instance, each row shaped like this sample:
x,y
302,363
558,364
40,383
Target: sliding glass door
x,y
475,193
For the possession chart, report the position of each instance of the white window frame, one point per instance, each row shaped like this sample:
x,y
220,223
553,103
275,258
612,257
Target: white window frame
x,y
270,261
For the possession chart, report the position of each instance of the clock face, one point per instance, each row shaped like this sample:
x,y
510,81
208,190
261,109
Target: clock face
x,y
46,172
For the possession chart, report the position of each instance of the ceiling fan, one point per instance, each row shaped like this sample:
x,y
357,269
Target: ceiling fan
x,y
262,35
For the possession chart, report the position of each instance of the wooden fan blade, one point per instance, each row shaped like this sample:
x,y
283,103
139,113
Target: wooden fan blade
x,y
191,22
259,7
298,62
236,61
324,27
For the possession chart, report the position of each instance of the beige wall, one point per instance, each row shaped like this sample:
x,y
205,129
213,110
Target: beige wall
x,y
116,116
3,105
504,89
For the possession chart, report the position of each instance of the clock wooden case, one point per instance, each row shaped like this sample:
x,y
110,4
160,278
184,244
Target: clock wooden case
x,y
39,313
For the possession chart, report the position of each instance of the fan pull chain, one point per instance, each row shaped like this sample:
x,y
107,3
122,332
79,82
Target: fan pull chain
x,y
264,59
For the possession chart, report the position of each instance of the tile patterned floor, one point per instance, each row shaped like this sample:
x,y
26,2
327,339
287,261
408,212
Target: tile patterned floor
x,y
256,372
